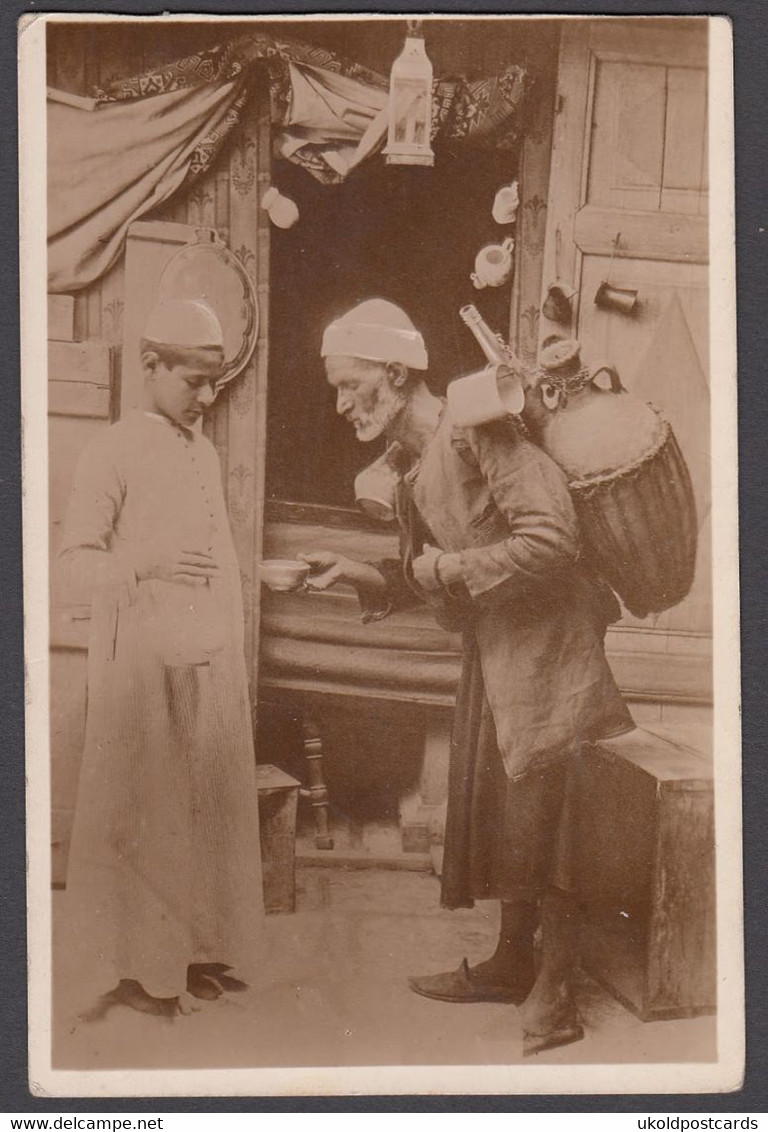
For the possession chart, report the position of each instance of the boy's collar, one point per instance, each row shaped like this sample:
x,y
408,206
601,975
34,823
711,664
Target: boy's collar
x,y
187,432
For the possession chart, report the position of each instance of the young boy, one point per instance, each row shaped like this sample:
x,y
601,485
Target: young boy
x,y
164,879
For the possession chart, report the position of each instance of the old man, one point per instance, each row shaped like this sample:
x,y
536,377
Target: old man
x,y
490,540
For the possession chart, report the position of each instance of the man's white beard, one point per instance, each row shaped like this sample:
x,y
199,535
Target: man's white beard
x,y
389,404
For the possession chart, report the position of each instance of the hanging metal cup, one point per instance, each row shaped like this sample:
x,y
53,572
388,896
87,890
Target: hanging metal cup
x,y
609,298
558,305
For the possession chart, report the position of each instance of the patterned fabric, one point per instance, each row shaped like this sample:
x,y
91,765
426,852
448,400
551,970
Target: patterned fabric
x,y
230,62
485,112
206,149
170,124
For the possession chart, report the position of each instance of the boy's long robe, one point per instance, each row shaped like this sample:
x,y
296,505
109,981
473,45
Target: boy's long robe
x,y
164,866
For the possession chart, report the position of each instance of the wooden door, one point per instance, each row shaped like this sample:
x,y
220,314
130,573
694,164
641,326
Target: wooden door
x,y
628,205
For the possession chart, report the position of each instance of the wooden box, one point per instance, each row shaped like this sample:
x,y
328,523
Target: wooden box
x,y
278,802
80,379
648,875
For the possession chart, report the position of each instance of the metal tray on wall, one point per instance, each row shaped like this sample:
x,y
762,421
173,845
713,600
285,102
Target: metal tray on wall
x,y
206,269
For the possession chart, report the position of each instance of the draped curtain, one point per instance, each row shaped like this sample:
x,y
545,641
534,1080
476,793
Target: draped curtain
x,y
114,157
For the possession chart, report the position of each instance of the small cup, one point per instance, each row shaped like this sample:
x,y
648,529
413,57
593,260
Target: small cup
x,y
283,574
488,395
493,264
283,212
375,492
558,304
506,204
376,485
622,299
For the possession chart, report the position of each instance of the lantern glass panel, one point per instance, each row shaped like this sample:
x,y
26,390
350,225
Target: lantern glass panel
x,y
410,106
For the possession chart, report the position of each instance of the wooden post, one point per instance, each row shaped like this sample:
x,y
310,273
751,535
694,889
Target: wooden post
x,y
533,178
249,173
318,792
278,800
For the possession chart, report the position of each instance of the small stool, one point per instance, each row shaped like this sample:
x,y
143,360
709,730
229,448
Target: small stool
x,y
278,799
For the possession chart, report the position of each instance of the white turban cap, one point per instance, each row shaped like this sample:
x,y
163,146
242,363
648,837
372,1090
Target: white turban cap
x,y
377,331
188,323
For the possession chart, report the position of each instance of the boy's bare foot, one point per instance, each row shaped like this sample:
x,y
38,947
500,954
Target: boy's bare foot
x,y
185,1004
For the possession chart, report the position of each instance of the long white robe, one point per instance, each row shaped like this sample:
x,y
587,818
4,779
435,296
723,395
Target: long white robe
x,y
164,866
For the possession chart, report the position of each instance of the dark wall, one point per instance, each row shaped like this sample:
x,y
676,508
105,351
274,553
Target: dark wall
x,y
409,235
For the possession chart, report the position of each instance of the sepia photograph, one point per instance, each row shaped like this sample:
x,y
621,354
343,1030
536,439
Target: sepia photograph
x,y
379,407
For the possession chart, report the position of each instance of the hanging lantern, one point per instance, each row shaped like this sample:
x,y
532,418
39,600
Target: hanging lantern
x,y
410,103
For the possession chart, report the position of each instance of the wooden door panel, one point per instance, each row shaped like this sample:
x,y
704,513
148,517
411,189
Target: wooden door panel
x,y
649,131
664,236
626,164
628,204
686,181
661,351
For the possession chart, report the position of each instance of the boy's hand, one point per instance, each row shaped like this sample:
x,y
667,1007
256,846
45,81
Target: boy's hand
x,y
169,564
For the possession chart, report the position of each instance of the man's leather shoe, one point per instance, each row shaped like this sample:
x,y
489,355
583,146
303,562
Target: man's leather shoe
x,y
463,985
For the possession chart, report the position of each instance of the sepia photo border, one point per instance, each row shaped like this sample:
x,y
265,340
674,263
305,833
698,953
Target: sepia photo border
x,y
726,1073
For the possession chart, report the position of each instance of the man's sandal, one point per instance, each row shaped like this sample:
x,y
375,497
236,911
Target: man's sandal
x,y
537,1043
563,1029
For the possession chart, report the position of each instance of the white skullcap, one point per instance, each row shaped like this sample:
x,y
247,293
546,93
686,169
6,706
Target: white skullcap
x,y
376,331
184,322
